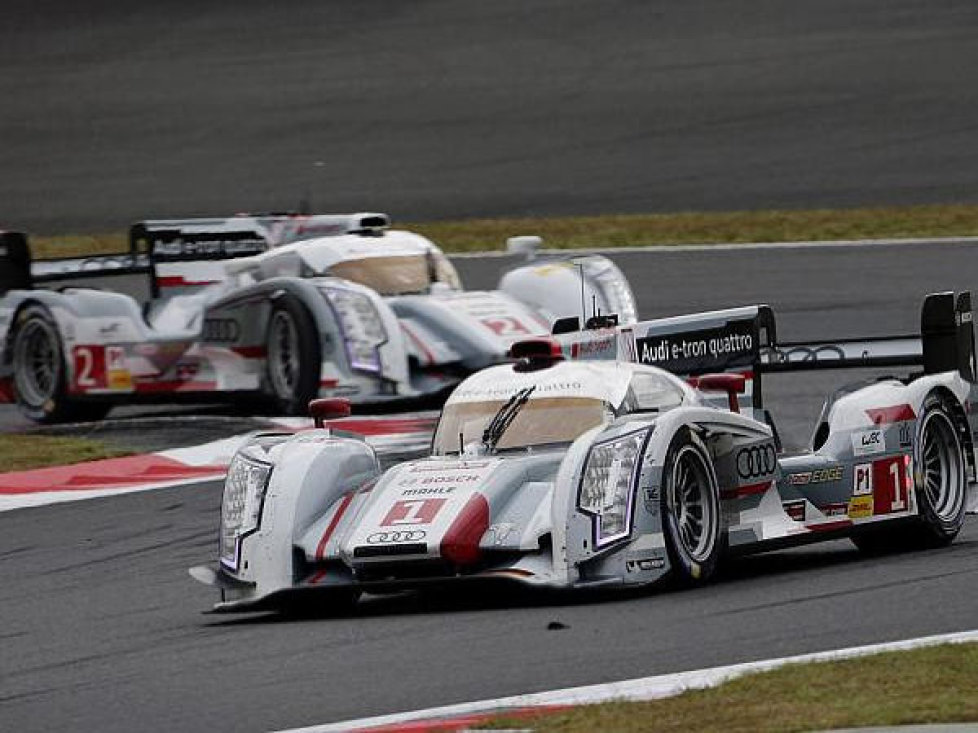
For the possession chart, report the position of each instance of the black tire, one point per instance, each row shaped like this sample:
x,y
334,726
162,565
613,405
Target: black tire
x,y
940,486
690,508
40,374
293,361
940,474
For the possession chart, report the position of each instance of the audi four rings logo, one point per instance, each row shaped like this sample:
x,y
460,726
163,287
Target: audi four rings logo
x,y
756,461
221,329
398,535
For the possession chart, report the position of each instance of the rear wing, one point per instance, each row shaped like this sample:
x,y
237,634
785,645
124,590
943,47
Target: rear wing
x,y
187,253
176,253
745,340
20,271
193,240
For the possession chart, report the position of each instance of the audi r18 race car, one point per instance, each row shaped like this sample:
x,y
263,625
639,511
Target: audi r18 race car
x,y
283,307
567,473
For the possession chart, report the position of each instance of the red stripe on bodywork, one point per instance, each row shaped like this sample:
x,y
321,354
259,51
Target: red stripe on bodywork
x,y
177,281
250,352
419,343
460,545
344,504
742,491
886,415
6,390
175,385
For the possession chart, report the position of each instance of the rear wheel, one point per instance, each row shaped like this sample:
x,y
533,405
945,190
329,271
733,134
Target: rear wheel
x,y
293,356
690,505
939,482
40,375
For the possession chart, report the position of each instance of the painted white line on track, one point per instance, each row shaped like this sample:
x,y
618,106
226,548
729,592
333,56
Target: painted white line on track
x,y
668,248
645,688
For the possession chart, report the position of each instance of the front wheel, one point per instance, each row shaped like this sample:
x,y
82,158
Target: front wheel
x,y
690,504
293,356
40,377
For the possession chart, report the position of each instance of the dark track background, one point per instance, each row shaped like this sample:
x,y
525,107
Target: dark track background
x,y
100,626
455,108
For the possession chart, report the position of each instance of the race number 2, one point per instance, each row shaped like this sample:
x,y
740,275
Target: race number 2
x,y
89,367
100,367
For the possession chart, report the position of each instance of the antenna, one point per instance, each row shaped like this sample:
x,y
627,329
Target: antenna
x,y
580,266
461,443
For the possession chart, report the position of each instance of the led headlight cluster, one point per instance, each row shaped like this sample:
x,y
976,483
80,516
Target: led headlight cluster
x,y
244,494
363,330
606,491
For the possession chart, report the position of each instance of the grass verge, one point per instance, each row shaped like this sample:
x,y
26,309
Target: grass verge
x,y
641,229
23,452
933,685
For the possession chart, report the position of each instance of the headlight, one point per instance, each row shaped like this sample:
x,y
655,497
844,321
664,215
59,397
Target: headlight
x,y
244,495
609,475
363,330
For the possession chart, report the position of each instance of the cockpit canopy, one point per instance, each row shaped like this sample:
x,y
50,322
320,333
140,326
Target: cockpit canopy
x,y
390,263
567,400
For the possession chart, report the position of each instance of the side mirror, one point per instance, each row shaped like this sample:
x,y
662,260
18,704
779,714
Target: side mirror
x,y
330,408
731,383
527,246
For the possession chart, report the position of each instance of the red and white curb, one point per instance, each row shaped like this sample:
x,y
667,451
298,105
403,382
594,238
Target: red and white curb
x,y
180,466
465,715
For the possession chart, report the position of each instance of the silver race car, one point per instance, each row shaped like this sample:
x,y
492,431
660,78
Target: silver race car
x,y
568,473
279,308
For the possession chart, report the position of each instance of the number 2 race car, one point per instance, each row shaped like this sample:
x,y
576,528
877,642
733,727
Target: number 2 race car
x,y
282,308
581,473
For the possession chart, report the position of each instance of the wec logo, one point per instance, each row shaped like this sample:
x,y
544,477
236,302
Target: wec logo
x,y
868,442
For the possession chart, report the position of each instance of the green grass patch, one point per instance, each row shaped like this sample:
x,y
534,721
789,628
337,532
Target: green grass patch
x,y
933,685
640,229
23,452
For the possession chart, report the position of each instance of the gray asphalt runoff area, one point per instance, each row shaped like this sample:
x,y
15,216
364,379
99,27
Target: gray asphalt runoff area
x,y
100,625
115,112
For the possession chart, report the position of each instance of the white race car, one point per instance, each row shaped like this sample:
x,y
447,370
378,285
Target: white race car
x,y
277,309
561,473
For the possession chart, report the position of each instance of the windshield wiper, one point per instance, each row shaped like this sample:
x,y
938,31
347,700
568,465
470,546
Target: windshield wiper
x,y
504,418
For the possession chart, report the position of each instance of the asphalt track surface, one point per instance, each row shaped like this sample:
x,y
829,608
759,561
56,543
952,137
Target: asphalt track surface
x,y
114,111
101,628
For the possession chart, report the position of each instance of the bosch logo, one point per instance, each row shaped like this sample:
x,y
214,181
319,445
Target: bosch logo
x,y
756,461
221,329
399,535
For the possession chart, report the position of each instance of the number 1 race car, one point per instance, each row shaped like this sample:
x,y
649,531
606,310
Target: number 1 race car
x,y
561,473
280,308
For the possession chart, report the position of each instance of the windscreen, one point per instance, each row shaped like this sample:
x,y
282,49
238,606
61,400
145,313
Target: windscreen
x,y
396,275
539,422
